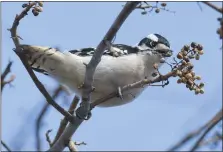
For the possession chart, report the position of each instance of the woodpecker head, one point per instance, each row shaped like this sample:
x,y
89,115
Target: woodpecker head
x,y
156,44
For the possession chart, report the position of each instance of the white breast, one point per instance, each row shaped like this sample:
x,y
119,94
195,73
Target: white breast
x,y
110,74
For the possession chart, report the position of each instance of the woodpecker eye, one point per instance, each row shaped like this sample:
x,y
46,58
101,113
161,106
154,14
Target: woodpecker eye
x,y
153,44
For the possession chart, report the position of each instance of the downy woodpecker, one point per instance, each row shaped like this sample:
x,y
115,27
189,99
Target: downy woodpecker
x,y
120,65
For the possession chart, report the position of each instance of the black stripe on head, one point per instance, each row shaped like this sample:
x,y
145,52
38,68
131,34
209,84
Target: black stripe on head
x,y
162,40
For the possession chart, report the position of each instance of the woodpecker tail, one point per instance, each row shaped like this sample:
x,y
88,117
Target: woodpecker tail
x,y
43,59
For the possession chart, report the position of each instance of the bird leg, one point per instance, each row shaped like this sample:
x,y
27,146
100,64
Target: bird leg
x,y
81,86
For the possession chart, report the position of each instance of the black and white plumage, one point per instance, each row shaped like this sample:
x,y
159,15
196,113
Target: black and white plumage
x,y
120,65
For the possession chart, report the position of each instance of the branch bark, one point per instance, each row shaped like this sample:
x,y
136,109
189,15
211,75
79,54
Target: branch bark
x,y
84,109
5,145
140,83
56,93
38,84
209,128
4,74
64,122
220,10
197,132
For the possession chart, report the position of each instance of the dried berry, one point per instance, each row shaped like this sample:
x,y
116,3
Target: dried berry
x,y
197,77
199,47
179,55
192,73
179,73
201,85
35,13
201,52
184,53
193,44
40,4
191,88
163,4
179,81
186,58
202,91
188,75
191,56
186,47
39,9
157,10
190,82
24,5
144,13
197,91
197,57
184,62
184,80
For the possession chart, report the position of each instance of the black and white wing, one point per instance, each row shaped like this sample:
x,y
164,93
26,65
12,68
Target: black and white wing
x,y
116,50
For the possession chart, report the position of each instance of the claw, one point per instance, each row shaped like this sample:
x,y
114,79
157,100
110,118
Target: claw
x,y
92,89
80,86
120,93
88,116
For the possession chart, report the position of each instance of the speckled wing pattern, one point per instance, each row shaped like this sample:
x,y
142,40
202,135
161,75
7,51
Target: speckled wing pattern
x,y
116,50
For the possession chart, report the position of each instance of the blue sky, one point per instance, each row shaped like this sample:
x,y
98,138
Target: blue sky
x,y
155,120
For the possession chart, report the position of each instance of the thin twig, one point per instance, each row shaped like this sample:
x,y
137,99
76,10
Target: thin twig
x,y
213,139
209,128
5,146
64,122
195,133
38,84
131,86
5,73
220,10
79,144
83,110
48,137
42,113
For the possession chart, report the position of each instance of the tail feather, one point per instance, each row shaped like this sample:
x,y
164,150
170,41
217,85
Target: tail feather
x,y
42,59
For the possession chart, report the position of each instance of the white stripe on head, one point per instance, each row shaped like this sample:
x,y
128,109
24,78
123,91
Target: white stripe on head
x,y
153,37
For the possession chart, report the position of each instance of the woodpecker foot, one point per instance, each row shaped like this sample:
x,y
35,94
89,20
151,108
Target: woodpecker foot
x,y
80,86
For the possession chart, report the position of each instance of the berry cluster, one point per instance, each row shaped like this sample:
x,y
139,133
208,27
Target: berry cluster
x,y
152,7
36,9
184,68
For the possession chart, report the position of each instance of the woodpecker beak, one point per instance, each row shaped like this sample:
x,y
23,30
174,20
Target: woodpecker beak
x,y
165,52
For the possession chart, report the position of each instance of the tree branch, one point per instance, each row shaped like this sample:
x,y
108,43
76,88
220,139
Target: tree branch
x,y
5,145
48,137
83,110
42,113
209,128
72,146
220,10
64,122
140,83
195,133
4,74
18,50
